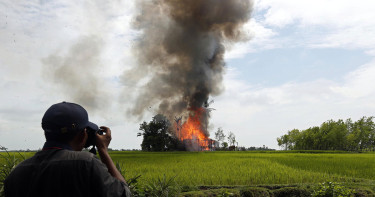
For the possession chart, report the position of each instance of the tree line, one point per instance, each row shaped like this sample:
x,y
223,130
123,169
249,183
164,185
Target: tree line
x,y
333,135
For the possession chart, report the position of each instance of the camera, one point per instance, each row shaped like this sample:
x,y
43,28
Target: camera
x,y
91,138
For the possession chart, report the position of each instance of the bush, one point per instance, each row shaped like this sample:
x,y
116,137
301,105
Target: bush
x,y
223,192
255,192
291,192
364,193
162,187
332,189
188,188
132,182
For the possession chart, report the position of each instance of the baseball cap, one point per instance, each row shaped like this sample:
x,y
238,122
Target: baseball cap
x,y
66,118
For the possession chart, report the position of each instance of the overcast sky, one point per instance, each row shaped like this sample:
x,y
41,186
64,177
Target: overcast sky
x,y
307,61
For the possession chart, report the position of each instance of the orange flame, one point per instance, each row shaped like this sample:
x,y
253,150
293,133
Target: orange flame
x,y
192,130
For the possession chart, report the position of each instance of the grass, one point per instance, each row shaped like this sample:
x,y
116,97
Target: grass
x,y
271,173
247,168
8,162
244,168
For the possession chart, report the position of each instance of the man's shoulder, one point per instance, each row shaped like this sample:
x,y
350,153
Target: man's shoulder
x,y
61,155
79,155
74,155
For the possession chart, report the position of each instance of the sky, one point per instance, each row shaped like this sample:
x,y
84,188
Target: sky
x,y
305,62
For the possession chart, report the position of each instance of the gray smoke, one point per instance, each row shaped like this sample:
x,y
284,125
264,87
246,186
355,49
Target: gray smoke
x,y
76,73
180,52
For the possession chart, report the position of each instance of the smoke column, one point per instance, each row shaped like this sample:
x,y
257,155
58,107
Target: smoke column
x,y
75,73
78,73
180,52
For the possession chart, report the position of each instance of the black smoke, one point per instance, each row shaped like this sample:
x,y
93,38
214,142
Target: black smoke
x,y
180,53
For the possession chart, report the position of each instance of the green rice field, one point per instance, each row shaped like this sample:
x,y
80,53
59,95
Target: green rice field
x,y
245,168
248,168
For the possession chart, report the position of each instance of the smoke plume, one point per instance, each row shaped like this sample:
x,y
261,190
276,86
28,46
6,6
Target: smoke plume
x,y
180,51
75,74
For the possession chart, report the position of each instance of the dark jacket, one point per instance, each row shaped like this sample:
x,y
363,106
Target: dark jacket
x,y
60,172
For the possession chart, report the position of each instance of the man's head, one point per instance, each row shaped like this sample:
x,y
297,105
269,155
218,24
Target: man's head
x,y
63,121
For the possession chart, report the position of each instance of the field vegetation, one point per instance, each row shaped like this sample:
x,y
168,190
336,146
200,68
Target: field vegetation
x,y
223,172
247,168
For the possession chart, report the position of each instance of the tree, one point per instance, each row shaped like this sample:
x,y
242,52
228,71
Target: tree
x,y
283,141
156,135
219,135
231,139
364,131
294,139
224,145
308,139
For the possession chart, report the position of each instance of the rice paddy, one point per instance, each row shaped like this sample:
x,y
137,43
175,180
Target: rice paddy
x,y
244,168
247,168
210,173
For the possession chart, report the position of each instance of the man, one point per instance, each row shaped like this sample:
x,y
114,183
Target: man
x,y
62,168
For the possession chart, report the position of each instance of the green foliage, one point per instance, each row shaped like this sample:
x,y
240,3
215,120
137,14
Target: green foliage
x,y
255,192
265,191
162,187
333,135
222,192
132,182
364,192
8,163
156,135
226,193
332,189
247,168
190,169
224,145
187,188
291,192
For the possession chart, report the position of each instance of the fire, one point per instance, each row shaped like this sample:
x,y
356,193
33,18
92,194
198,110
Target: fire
x,y
192,131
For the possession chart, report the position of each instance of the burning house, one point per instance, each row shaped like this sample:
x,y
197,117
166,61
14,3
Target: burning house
x,y
193,133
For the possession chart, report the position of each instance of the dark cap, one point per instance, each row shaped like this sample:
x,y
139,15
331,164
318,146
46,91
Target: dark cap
x,y
66,117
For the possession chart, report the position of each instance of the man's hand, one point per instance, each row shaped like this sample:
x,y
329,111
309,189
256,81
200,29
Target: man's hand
x,y
102,141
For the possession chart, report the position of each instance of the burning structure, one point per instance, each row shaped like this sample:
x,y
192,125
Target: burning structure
x,y
180,54
192,133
